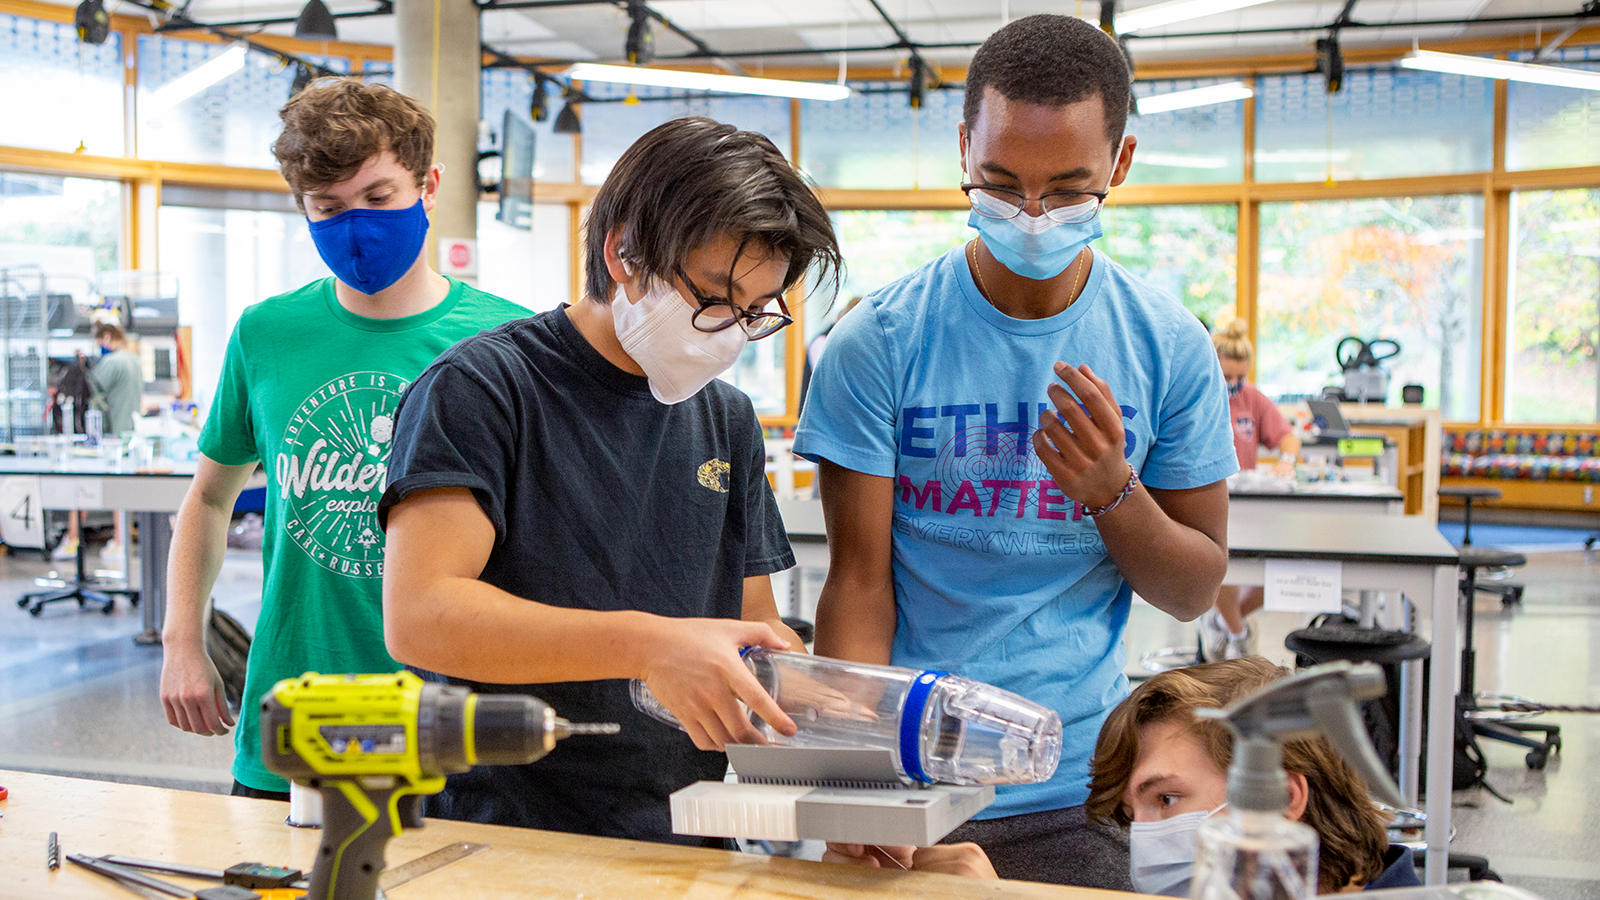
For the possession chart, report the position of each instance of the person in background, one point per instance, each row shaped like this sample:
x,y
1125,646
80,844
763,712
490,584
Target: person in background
x,y
1160,772
1225,631
309,388
576,500
1018,435
118,381
117,378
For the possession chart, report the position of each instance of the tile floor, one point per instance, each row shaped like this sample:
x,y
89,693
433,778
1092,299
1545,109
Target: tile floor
x,y
78,697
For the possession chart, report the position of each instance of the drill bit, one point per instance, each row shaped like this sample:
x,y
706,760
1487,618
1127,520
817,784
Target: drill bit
x,y
565,729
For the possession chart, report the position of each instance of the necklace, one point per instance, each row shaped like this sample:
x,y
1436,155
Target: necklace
x,y
972,256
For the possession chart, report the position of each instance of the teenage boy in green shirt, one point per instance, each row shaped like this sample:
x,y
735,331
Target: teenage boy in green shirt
x,y
309,390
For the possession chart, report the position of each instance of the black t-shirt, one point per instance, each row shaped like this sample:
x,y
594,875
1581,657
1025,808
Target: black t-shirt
x,y
602,498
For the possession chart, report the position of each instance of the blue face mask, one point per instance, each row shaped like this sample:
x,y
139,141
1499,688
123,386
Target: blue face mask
x,y
1036,247
369,249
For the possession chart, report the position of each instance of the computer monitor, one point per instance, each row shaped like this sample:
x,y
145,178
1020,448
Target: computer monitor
x,y
1329,421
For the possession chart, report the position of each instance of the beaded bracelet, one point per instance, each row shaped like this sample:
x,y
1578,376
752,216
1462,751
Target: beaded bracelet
x,y
1133,482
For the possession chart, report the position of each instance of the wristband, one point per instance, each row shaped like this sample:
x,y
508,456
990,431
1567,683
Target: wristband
x,y
1133,482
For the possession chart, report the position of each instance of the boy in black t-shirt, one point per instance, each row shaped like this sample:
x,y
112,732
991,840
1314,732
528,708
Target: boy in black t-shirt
x,y
575,501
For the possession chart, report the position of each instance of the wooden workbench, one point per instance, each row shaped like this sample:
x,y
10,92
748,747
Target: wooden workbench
x,y
98,818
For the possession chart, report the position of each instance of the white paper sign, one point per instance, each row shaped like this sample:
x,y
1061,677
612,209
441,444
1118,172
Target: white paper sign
x,y
71,493
1300,585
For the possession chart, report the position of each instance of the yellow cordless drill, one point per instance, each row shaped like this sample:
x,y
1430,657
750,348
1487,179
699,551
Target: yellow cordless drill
x,y
375,744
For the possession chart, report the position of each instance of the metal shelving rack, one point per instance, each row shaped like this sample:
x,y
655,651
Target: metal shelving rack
x,y
25,345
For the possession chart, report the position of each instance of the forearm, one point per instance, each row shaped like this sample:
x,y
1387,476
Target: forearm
x,y
469,629
856,620
199,543
1174,567
1289,446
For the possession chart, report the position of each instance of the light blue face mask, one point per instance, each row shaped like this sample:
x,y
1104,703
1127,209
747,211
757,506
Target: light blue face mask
x,y
1161,854
1036,247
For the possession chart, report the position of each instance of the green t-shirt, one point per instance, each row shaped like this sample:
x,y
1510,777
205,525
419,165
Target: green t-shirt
x,y
309,389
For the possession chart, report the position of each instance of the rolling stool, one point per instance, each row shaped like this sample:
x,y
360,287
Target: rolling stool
x,y
1508,593
1336,638
83,589
1511,728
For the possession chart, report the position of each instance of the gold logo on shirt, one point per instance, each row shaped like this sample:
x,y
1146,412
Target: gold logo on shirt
x,y
713,473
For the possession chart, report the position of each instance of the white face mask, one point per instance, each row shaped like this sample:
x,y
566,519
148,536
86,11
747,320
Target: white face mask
x,y
1161,854
659,333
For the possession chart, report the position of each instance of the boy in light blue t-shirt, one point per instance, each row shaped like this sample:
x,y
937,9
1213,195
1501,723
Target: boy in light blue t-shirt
x,y
1018,435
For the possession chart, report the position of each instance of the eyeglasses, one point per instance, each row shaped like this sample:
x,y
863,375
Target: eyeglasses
x,y
1063,207
716,314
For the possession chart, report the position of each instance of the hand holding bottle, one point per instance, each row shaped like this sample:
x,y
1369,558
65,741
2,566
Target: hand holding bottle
x,y
693,668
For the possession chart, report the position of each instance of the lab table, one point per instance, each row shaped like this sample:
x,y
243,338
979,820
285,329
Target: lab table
x,y
1377,552
90,484
212,831
1319,497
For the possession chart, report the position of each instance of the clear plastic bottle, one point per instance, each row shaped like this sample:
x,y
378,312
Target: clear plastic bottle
x,y
1255,855
941,728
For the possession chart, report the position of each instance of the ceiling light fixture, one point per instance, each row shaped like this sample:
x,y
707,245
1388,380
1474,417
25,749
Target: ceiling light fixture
x,y
539,109
190,83
92,22
702,81
315,23
640,47
919,81
1477,66
567,121
1176,11
1330,62
1206,96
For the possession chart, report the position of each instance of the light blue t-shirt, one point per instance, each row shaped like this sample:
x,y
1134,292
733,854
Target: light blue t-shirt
x,y
997,576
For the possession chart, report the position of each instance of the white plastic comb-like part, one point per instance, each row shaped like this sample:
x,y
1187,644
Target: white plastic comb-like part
x,y
755,812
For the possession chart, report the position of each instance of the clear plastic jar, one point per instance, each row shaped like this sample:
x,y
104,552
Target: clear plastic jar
x,y
940,728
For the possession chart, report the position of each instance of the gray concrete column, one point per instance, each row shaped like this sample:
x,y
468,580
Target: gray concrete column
x,y
445,78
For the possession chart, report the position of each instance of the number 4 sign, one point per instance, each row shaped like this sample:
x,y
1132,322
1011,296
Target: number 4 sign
x,y
21,519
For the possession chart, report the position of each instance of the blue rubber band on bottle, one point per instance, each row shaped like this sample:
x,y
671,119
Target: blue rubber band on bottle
x,y
911,724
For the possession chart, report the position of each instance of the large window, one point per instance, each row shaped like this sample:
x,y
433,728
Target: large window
x,y
1191,252
875,140
60,93
1552,127
69,227
228,250
211,103
1188,146
1553,307
880,246
1408,269
1382,124
610,128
